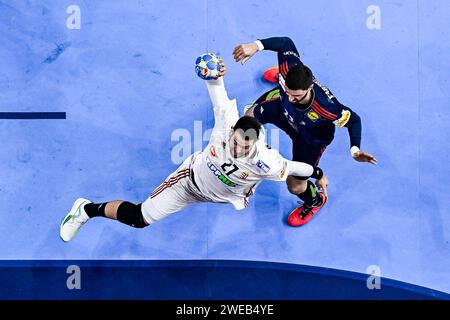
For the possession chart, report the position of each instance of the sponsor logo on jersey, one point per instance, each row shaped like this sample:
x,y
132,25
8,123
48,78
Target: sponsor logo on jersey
x,y
264,167
219,174
342,121
313,116
290,53
244,175
213,151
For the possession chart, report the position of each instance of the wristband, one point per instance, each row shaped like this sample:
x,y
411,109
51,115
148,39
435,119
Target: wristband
x,y
317,173
260,45
354,150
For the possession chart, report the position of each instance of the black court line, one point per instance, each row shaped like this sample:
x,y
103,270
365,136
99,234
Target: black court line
x,y
32,115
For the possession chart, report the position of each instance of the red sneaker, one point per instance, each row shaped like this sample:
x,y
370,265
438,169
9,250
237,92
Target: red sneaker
x,y
301,215
271,75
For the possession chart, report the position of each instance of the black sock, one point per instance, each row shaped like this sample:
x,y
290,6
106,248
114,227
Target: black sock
x,y
95,209
310,197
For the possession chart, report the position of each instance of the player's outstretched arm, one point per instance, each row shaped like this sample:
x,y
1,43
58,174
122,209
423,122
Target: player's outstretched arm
x,y
301,169
283,168
354,127
243,52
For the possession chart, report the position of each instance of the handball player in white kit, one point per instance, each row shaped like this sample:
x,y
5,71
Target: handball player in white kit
x,y
228,170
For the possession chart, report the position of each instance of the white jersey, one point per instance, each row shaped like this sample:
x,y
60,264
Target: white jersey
x,y
213,175
223,178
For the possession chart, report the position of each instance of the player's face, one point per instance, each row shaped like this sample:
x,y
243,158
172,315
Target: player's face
x,y
240,146
298,96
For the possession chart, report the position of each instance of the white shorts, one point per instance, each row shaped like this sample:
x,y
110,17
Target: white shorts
x,y
175,193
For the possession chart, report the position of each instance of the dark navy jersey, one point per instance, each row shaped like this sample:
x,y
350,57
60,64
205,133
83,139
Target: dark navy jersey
x,y
314,123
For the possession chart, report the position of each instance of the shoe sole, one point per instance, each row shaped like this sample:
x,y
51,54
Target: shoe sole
x,y
79,202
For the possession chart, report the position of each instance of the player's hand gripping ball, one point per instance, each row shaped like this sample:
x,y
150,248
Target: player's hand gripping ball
x,y
207,66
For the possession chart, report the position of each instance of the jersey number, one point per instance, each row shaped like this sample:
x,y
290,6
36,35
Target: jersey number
x,y
233,169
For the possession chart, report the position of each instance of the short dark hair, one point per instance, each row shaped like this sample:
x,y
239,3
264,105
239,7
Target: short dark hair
x,y
299,77
246,123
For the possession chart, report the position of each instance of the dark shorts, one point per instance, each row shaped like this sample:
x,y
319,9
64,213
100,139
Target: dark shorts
x,y
268,109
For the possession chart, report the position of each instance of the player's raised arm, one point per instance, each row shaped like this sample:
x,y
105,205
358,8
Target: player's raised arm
x,y
225,110
284,46
216,88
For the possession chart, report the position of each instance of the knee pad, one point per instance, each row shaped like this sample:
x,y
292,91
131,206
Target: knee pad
x,y
131,214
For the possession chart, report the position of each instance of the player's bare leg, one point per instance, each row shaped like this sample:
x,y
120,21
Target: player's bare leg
x,y
313,200
296,186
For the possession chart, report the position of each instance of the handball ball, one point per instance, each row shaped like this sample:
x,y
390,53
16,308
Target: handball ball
x,y
207,66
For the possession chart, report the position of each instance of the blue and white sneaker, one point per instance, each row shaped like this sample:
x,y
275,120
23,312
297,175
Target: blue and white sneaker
x,y
74,220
